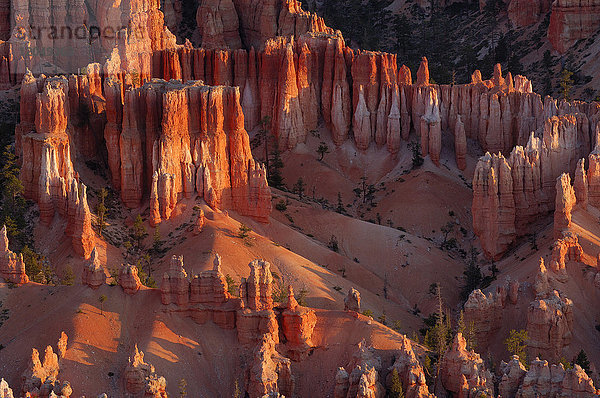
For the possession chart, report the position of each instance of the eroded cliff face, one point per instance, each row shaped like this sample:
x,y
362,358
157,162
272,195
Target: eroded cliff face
x,y
182,140
463,372
163,140
69,34
509,194
571,21
46,168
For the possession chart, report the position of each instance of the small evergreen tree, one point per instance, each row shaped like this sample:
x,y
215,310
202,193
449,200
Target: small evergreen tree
x,y
301,296
472,276
101,210
274,176
566,84
340,205
582,360
232,287
417,158
442,330
322,150
299,187
265,136
33,264
102,299
447,230
156,242
139,231
244,231
395,390
9,175
460,327
68,276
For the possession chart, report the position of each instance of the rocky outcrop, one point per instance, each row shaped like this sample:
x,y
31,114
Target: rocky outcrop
x,y
565,201
287,121
352,300
195,143
260,21
580,185
463,372
571,21
62,345
512,374
129,279
485,312
527,12
39,377
80,220
550,325
218,25
140,378
567,248
298,323
199,224
269,372
47,172
363,380
341,383
204,298
493,205
257,317
460,144
93,272
510,194
175,286
76,43
549,318
410,371
12,267
430,128
5,390
258,288
549,381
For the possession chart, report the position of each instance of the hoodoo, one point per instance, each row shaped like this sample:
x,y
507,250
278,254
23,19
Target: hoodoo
x,y
235,198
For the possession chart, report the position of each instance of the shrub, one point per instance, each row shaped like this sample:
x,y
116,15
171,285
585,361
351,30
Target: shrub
x,y
281,205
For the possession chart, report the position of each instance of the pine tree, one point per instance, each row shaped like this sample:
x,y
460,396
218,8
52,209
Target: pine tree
x,y
232,287
460,327
274,176
441,326
299,187
395,390
244,231
322,150
340,205
582,360
265,136
139,231
566,83
101,210
472,276
156,242
102,299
